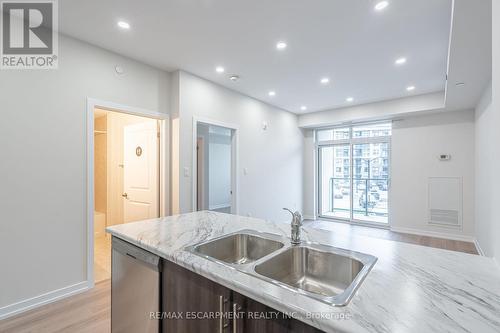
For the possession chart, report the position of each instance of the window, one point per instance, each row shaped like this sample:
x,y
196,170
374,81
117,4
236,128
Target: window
x,y
333,134
370,131
353,175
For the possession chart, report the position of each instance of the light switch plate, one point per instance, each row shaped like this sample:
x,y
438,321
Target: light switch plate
x,y
444,157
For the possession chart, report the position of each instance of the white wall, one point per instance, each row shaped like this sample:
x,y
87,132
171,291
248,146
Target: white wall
x,y
496,108
174,142
43,169
488,154
309,180
375,111
487,166
397,108
203,175
273,157
219,171
216,176
416,144
469,53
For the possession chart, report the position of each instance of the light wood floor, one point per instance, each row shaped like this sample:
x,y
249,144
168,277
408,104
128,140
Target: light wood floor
x,y
102,259
91,311
353,230
86,312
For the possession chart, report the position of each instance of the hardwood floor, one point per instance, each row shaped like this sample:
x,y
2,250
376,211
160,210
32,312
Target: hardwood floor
x,y
86,312
91,311
102,259
353,230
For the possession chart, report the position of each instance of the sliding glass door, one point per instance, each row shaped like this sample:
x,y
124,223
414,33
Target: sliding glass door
x,y
353,173
371,182
336,181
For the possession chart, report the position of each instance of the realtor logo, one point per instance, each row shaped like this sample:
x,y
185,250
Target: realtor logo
x,y
29,35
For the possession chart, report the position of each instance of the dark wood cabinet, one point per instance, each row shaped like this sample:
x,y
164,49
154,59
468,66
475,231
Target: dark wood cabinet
x,y
192,303
257,317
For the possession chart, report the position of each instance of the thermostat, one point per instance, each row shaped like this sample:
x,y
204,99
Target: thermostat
x,y
444,157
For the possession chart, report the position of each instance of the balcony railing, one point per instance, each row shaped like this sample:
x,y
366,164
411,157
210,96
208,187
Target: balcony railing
x,y
369,197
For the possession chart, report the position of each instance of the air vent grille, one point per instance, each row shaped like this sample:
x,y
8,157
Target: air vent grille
x,y
442,216
445,201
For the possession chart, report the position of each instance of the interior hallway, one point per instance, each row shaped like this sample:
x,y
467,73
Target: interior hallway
x,y
102,259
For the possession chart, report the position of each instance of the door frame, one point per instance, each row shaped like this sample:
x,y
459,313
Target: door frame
x,y
351,142
234,161
200,152
164,147
319,185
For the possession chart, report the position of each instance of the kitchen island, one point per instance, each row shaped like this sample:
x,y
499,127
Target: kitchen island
x,y
411,288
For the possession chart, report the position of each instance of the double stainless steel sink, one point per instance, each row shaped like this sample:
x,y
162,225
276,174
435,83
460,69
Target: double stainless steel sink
x,y
238,248
325,273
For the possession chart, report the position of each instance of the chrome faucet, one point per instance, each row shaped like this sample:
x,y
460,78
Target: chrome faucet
x,y
296,224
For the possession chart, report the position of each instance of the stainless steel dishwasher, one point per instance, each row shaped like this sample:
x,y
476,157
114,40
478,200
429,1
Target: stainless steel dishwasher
x,y
135,289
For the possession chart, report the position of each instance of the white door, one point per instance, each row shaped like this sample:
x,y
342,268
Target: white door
x,y
141,171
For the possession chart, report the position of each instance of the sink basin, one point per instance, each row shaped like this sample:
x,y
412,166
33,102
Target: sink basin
x,y
239,248
329,274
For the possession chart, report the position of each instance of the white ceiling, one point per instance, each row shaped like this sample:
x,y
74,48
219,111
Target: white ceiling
x,y
469,68
345,40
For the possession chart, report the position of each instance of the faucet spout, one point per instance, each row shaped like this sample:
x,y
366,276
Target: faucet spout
x,y
296,224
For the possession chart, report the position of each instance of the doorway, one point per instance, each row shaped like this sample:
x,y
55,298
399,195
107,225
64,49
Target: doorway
x,y
128,177
214,167
354,173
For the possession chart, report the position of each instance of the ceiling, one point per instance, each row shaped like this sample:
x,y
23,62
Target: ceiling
x,y
470,65
347,41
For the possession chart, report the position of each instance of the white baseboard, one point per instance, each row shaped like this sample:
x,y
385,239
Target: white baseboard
x,y
34,302
478,247
225,205
433,234
309,217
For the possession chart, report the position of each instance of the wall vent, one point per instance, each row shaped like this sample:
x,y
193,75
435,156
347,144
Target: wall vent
x,y
448,217
445,201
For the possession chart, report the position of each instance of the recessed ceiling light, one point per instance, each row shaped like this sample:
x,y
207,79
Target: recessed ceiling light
x,y
381,5
325,80
281,45
400,61
303,108
234,77
349,99
219,69
123,25
272,93
410,88
460,84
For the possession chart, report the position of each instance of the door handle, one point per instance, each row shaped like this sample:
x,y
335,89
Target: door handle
x,y
125,195
222,325
236,309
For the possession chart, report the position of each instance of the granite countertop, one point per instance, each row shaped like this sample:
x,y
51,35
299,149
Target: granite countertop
x,y
411,288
